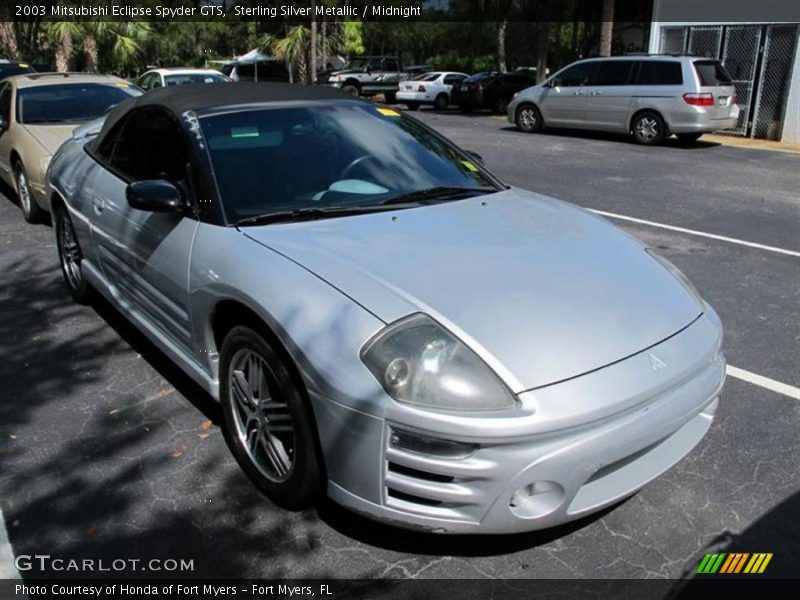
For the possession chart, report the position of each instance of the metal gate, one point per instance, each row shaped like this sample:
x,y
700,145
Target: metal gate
x,y
759,59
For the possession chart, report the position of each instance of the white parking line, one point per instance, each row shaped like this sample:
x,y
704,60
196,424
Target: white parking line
x,y
765,382
7,568
712,236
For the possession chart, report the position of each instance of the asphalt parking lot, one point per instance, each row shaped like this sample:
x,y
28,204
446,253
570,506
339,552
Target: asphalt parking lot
x,y
107,450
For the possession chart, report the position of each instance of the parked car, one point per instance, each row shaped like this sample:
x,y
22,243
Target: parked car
x,y
259,70
179,76
394,327
368,76
38,111
12,67
429,88
491,90
648,97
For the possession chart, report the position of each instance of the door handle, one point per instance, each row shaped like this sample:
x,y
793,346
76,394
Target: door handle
x,y
98,204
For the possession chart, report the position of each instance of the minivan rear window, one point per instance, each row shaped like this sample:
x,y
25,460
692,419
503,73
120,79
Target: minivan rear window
x,y
711,72
660,72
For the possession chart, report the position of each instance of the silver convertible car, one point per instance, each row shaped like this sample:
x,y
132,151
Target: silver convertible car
x,y
381,319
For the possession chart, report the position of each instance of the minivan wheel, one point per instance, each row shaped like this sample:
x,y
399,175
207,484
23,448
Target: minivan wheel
x,y
688,139
528,118
441,102
648,129
70,257
30,210
268,424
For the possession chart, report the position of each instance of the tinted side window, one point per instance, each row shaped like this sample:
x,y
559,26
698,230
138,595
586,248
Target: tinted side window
x,y
151,146
390,65
660,72
576,75
451,79
613,72
711,72
5,102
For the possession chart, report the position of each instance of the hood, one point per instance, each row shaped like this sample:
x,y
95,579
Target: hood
x,y
542,290
50,136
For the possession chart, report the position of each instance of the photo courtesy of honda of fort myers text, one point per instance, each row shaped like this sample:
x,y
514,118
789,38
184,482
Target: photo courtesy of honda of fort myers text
x,y
340,299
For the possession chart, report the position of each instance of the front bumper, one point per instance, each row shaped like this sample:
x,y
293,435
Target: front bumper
x,y
535,471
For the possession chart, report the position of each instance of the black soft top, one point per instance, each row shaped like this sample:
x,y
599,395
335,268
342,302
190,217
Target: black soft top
x,y
198,97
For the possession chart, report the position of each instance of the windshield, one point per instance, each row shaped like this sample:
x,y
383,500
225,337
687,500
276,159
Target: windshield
x,y
356,64
183,79
342,155
70,102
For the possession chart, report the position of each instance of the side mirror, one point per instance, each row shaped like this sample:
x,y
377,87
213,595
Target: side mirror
x,y
475,156
155,195
3,124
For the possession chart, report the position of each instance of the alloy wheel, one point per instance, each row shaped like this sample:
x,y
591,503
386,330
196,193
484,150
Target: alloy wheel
x,y
23,192
70,254
263,422
647,128
528,118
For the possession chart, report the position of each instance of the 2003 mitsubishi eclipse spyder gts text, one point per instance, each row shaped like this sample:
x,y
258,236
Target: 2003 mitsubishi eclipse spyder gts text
x,y
380,317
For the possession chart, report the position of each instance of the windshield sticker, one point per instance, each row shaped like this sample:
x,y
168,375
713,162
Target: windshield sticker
x,y
194,127
469,166
388,112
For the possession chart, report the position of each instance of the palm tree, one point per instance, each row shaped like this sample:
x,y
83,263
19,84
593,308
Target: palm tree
x,y
8,35
607,28
293,48
61,35
129,38
313,49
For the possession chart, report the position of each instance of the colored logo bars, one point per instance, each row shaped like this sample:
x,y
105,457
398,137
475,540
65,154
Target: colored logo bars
x,y
734,562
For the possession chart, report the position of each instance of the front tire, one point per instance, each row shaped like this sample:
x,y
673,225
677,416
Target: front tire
x,y
528,118
351,89
70,257
268,423
648,129
30,210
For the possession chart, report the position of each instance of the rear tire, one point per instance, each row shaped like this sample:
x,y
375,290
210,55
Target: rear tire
x,y
30,210
500,106
70,257
412,105
687,139
268,422
528,118
441,103
351,89
648,128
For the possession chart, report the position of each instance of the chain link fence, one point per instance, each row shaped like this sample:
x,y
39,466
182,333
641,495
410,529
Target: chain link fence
x,y
759,59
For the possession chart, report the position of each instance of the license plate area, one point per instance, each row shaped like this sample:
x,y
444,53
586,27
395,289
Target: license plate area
x,y
722,101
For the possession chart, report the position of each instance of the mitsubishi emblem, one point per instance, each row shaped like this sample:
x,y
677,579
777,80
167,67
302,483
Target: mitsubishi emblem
x,y
656,363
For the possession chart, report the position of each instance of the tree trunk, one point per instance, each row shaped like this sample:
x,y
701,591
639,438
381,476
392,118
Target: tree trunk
x,y
501,45
64,51
90,49
324,43
8,35
542,49
607,29
312,66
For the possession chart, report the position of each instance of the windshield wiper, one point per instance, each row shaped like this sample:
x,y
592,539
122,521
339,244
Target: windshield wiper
x,y
309,213
439,193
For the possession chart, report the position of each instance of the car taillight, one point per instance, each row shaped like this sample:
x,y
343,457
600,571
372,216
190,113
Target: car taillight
x,y
421,88
705,99
475,86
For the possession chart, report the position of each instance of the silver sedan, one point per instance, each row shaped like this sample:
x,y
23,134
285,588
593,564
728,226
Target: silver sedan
x,y
383,320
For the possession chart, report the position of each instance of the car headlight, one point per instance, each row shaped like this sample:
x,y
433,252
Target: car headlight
x,y
417,361
335,78
678,274
44,163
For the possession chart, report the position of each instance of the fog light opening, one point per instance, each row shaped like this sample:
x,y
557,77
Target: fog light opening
x,y
536,499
